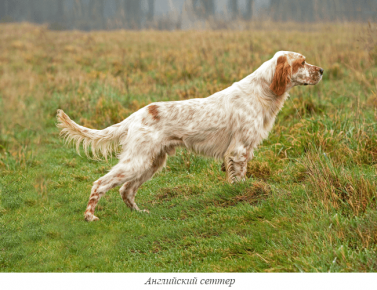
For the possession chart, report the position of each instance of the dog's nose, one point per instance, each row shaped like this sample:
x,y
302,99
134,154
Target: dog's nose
x,y
321,71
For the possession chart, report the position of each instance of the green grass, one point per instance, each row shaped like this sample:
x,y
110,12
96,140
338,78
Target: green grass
x,y
197,221
309,205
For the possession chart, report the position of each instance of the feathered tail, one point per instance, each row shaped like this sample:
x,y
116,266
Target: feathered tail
x,y
104,141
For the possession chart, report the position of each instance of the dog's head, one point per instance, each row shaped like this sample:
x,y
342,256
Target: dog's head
x,y
293,70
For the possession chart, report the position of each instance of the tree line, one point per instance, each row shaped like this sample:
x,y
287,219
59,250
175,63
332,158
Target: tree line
x,y
139,14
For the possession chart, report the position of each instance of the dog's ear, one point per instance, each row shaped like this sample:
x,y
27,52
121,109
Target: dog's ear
x,y
282,76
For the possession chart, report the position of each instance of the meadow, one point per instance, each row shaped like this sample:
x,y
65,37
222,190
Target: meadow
x,y
308,205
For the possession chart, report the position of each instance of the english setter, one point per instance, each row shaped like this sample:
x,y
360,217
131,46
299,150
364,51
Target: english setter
x,y
228,124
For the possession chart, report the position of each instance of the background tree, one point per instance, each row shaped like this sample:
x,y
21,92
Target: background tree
x,y
204,8
3,9
59,17
132,9
233,7
249,9
150,14
90,14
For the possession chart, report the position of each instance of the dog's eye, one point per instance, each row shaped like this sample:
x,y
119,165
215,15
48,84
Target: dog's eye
x,y
303,62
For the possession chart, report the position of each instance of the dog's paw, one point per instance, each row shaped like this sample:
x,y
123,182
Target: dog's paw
x,y
91,218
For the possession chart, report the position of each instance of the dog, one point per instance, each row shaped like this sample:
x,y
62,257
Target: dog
x,y
227,125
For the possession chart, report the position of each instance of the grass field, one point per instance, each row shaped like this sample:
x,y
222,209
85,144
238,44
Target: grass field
x,y
309,205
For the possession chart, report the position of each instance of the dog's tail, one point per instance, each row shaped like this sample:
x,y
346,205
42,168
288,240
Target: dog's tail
x,y
104,141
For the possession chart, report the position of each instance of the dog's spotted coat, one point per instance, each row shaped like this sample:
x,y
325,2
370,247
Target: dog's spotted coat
x,y
227,125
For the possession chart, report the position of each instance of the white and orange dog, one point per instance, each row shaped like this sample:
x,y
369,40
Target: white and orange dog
x,y
229,125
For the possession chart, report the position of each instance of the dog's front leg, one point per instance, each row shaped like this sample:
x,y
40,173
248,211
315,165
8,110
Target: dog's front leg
x,y
235,164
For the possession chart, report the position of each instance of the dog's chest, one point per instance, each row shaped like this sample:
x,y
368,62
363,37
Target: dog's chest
x,y
257,121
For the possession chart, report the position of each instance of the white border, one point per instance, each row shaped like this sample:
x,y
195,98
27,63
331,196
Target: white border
x,y
106,281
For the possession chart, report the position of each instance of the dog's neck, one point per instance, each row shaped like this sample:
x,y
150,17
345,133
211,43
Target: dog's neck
x,y
272,104
258,88
259,91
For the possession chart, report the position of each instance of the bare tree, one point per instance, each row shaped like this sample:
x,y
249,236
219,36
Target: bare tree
x,y
59,17
90,14
150,14
132,9
96,11
209,7
3,9
37,14
233,6
322,10
203,8
249,9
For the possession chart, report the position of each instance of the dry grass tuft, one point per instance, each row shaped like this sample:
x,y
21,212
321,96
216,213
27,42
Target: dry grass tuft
x,y
338,187
168,193
251,195
304,107
367,232
107,112
334,71
300,173
366,152
257,169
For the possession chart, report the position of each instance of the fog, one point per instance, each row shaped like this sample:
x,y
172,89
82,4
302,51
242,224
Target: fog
x,y
180,14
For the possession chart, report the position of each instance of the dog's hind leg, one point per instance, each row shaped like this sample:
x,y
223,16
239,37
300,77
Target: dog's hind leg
x,y
130,172
112,179
129,189
128,193
118,175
